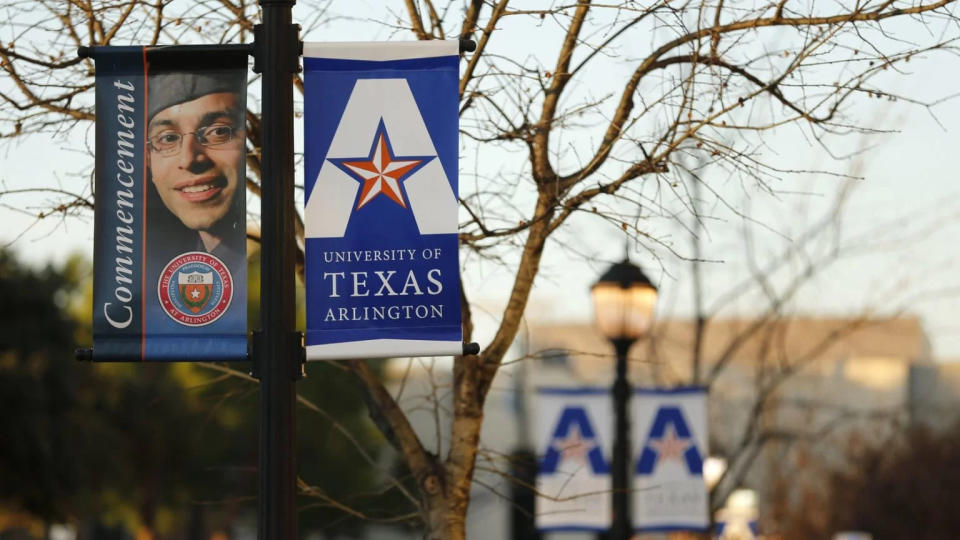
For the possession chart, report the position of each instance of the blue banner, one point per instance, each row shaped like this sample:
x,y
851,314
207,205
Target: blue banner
x,y
380,142
170,217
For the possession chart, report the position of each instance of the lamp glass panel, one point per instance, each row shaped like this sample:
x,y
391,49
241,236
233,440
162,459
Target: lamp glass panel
x,y
642,301
623,313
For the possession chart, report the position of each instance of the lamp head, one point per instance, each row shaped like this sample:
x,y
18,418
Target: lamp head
x,y
623,302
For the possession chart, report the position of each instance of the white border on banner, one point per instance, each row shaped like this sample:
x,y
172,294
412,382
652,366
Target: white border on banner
x,y
383,348
380,51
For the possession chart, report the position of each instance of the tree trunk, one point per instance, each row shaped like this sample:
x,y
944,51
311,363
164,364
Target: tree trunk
x,y
441,522
447,495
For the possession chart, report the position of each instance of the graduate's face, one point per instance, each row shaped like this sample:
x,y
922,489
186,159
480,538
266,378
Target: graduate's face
x,y
196,156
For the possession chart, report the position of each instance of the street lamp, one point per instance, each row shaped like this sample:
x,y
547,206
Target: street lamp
x,y
623,303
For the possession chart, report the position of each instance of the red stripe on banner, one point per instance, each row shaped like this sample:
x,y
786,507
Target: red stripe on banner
x,y
143,230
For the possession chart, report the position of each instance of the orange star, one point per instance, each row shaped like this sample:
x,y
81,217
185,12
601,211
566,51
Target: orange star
x,y
381,171
669,446
574,446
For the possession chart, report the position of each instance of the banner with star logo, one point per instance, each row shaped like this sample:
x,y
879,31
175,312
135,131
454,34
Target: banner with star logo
x,y
380,144
669,446
574,436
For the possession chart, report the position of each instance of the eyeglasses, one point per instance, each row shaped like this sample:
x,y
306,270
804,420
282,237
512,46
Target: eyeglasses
x,y
168,142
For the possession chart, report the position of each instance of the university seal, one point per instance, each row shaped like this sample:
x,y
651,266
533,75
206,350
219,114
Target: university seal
x,y
195,289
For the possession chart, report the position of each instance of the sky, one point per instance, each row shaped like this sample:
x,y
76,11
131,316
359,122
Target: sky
x,y
898,232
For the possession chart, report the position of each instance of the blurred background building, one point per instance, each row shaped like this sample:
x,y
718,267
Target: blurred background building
x,y
792,401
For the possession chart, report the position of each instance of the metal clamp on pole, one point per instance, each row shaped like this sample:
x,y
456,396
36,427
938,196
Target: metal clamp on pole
x,y
293,41
256,341
253,346
298,345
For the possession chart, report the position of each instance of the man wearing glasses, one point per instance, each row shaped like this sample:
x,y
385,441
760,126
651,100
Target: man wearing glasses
x,y
195,156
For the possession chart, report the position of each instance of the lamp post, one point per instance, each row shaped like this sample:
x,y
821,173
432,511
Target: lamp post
x,y
623,303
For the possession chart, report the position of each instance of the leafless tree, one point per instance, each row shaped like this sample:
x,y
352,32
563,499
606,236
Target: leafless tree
x,y
594,106
748,342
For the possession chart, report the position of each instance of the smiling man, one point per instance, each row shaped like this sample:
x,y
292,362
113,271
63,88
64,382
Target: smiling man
x,y
195,155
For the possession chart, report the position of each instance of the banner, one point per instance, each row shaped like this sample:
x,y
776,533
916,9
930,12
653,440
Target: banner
x,y
574,434
380,145
670,445
170,220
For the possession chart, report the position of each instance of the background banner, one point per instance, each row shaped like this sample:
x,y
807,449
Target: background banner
x,y
669,432
574,434
380,140
170,217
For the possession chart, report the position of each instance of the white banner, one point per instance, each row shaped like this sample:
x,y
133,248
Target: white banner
x,y
574,436
669,429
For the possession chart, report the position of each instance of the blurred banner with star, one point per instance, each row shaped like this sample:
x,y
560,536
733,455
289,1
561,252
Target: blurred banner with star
x,y
669,433
574,437
380,144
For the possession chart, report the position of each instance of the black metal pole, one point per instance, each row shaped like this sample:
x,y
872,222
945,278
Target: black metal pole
x,y
622,528
276,348
523,467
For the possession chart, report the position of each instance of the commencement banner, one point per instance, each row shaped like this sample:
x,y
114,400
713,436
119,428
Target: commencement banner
x,y
170,218
381,212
